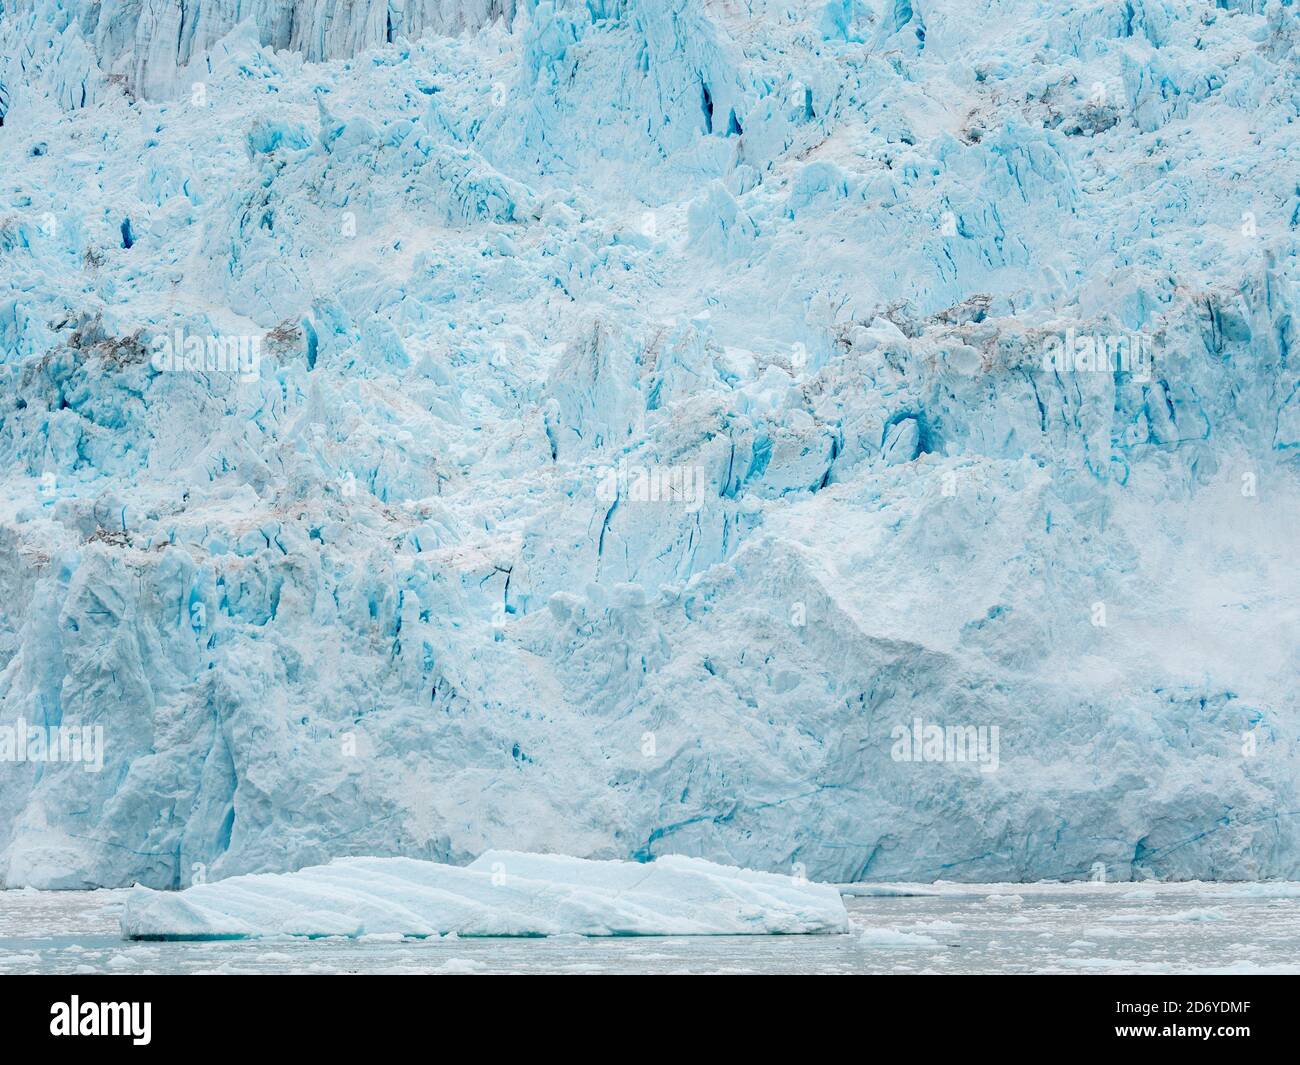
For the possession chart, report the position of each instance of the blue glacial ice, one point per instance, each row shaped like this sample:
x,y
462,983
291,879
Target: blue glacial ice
x,y
501,893
626,416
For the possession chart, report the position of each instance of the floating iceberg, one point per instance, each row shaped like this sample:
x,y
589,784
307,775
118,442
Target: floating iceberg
x,y
503,893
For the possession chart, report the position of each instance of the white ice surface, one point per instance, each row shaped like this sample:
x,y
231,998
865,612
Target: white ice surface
x,y
502,893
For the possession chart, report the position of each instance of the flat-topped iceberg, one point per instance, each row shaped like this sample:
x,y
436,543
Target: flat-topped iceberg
x,y
502,893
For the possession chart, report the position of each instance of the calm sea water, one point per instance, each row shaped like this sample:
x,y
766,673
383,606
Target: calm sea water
x,y
954,929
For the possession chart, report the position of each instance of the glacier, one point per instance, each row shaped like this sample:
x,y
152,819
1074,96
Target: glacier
x,y
600,427
500,893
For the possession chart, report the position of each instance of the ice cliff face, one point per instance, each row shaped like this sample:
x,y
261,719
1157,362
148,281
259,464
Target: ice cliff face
x,y
625,427
157,48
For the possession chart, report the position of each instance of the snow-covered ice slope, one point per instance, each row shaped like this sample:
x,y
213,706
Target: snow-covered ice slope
x,y
502,893
629,421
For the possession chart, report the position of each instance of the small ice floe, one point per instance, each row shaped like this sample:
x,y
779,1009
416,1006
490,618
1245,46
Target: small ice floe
x,y
11,960
1264,889
1100,963
889,937
1005,900
933,926
885,891
459,967
502,893
1098,932
1178,917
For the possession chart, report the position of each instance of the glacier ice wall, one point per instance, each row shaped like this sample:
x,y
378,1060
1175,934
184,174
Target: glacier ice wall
x,y
651,416
157,48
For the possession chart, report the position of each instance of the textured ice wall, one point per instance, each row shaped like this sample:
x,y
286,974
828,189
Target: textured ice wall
x,y
157,48
650,421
